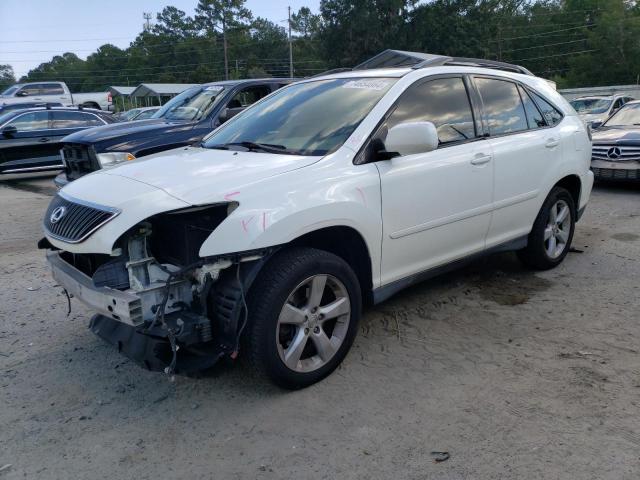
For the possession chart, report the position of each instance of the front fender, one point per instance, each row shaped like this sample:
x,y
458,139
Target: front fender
x,y
301,202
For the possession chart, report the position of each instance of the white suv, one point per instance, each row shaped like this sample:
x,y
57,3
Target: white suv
x,y
328,193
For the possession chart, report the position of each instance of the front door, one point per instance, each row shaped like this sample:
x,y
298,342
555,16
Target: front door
x,y
436,206
31,146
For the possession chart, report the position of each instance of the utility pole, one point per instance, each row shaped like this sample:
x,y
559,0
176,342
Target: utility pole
x,y
290,47
147,25
224,42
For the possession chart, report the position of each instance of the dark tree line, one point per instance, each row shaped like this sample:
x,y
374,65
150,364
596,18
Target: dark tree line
x,y
574,42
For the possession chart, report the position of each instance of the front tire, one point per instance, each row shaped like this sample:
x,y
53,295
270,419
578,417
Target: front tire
x,y
304,309
552,232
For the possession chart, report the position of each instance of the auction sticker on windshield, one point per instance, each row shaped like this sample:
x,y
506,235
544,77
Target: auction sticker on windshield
x,y
367,84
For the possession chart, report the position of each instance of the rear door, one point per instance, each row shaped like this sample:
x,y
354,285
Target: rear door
x,y
525,147
436,206
53,92
30,147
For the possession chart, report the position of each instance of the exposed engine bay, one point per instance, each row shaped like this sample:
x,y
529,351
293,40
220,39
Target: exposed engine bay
x,y
159,303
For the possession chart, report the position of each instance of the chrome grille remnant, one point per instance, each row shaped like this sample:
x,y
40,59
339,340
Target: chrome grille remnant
x,y
72,220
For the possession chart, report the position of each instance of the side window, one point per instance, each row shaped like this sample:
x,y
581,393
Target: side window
x,y
67,119
248,96
51,89
33,89
444,102
502,106
534,117
550,113
31,121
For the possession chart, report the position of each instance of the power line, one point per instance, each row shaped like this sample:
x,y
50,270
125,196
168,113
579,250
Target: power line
x,y
557,55
545,45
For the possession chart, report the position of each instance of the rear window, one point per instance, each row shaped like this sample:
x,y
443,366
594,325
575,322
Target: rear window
x,y
74,120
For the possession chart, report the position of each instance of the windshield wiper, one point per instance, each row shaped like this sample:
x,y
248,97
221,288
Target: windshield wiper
x,y
254,147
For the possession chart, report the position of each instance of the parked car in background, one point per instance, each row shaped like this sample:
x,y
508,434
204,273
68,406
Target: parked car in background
x,y
140,113
55,92
30,139
183,121
616,145
23,106
596,109
332,191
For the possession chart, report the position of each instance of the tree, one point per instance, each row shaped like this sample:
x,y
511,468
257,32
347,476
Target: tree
x,y
7,77
222,14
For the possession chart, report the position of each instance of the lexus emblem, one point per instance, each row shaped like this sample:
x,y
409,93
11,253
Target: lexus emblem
x,y
57,214
614,153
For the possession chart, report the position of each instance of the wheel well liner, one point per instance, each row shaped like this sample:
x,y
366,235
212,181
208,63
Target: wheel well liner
x,y
348,244
572,184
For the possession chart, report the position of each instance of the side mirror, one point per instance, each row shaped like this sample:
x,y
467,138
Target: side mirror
x,y
412,137
9,131
22,93
596,124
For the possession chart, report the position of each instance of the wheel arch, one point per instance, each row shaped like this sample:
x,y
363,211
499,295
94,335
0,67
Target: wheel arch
x,y
348,244
572,184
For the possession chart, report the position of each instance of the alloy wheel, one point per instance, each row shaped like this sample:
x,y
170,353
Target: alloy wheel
x,y
556,234
313,323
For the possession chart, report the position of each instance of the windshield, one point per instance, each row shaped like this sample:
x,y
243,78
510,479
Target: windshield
x,y
310,118
627,116
10,90
591,105
192,104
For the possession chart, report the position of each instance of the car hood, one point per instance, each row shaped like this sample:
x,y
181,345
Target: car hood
x,y
142,128
622,135
199,176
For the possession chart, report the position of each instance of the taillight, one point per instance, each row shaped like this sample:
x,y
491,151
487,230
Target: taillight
x,y
109,97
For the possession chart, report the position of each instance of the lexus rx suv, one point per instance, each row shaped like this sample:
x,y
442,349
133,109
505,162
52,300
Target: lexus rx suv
x,y
330,193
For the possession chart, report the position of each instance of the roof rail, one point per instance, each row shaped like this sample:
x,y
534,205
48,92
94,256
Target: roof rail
x,y
473,62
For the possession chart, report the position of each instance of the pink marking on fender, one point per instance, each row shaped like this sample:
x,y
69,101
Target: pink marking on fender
x,y
364,199
245,223
229,195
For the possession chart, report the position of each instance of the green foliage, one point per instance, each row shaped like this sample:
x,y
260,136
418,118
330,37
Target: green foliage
x,y
7,76
574,42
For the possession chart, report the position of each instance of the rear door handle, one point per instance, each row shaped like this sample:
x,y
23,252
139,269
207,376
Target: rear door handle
x,y
43,140
480,159
552,143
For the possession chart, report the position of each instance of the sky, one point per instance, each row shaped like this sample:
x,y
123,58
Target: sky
x,y
33,31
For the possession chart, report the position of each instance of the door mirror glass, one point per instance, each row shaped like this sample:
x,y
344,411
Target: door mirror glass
x,y
9,131
224,115
22,93
595,124
412,137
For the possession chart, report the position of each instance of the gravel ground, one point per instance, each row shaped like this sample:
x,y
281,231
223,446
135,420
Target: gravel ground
x,y
515,374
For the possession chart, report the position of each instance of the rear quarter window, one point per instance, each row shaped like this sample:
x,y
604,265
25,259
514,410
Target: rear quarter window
x,y
551,114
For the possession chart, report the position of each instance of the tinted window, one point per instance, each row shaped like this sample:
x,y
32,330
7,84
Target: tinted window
x,y
534,117
444,102
248,96
550,113
192,104
144,115
31,121
74,120
502,106
51,89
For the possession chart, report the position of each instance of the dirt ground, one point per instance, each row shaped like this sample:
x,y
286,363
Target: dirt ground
x,y
517,375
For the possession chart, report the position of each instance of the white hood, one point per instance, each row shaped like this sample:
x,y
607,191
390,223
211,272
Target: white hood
x,y
199,176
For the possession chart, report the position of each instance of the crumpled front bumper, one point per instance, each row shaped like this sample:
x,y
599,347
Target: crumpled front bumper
x,y
121,306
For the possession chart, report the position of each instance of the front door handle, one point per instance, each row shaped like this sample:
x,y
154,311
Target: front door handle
x,y
480,159
552,143
43,140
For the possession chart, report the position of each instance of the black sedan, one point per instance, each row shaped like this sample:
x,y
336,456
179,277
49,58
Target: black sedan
x,y
616,145
30,138
184,120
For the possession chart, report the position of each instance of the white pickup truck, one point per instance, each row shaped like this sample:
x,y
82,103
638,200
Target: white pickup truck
x,y
54,92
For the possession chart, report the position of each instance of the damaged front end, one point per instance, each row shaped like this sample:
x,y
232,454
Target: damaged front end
x,y
156,300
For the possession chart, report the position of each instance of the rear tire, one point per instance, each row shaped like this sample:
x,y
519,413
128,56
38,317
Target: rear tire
x,y
304,309
552,232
